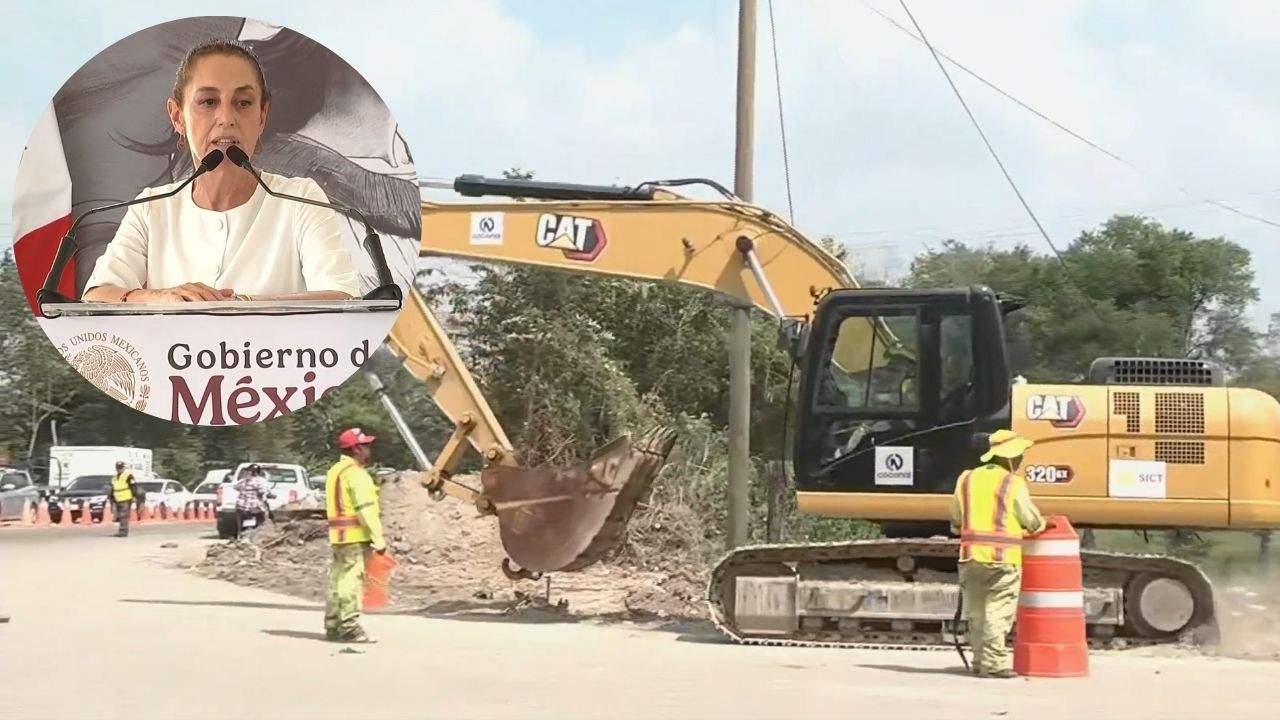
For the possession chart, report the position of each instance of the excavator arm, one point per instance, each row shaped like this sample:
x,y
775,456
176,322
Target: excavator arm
x,y
562,519
549,519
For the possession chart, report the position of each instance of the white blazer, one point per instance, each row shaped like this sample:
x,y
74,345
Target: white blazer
x,y
266,246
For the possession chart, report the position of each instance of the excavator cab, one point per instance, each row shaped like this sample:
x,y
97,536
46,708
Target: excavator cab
x,y
906,407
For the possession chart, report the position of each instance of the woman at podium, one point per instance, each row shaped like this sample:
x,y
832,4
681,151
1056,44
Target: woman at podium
x,y
223,237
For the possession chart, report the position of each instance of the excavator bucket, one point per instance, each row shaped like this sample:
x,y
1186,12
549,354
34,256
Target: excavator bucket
x,y
563,519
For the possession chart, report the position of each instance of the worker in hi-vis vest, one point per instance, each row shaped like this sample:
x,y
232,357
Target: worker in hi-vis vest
x,y
991,511
355,530
123,493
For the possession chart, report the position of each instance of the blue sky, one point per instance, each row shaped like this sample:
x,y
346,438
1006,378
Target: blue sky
x,y
881,154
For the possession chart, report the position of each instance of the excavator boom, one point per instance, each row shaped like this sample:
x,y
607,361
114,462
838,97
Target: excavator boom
x,y
728,247
711,245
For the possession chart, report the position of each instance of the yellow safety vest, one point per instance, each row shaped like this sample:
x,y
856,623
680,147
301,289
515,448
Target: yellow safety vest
x,y
120,491
347,487
989,529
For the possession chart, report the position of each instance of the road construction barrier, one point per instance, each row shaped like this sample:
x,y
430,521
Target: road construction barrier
x,y
36,514
1049,632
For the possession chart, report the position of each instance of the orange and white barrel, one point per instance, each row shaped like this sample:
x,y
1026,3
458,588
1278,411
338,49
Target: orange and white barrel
x,y
1049,632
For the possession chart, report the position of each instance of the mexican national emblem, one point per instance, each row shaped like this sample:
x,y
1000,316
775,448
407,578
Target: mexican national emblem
x,y
115,368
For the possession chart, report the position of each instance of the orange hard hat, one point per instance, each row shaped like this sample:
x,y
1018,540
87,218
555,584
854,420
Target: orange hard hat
x,y
352,437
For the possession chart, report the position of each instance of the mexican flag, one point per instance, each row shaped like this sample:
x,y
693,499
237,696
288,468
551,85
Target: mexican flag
x,y
42,209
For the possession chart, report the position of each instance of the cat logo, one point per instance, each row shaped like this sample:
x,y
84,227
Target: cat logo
x,y
1061,411
579,238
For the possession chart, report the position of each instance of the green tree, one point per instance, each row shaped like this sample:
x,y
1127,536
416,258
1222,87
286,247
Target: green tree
x,y
36,385
1130,287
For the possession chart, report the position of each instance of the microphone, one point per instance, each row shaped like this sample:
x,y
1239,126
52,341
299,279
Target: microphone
x,y
387,288
67,248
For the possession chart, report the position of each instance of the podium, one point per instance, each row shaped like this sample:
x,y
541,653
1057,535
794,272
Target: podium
x,y
218,363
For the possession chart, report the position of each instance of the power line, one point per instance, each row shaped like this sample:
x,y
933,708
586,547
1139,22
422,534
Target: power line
x,y
994,155
777,80
1053,122
913,235
1068,219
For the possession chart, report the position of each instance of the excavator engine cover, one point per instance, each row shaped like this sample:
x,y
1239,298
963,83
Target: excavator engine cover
x,y
562,519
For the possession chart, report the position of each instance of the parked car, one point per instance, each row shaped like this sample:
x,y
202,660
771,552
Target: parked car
x,y
16,492
166,492
207,490
316,480
87,492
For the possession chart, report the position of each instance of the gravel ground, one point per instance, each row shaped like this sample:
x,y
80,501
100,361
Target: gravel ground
x,y
449,562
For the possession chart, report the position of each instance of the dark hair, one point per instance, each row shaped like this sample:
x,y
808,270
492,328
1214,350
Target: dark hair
x,y
217,47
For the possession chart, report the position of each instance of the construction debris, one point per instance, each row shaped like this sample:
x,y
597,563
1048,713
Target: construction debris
x,y
450,564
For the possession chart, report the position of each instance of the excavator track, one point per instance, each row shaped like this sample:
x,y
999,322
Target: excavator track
x,y
901,594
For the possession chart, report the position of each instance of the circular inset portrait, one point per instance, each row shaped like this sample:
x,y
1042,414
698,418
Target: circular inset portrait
x,y
216,221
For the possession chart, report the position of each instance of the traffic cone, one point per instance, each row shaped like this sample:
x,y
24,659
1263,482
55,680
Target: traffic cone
x,y
42,514
28,517
376,580
1049,632
108,513
86,517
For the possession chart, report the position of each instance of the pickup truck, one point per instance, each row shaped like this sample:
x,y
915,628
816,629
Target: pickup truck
x,y
288,483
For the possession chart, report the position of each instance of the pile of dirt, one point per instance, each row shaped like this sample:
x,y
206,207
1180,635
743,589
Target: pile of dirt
x,y
449,562
1248,607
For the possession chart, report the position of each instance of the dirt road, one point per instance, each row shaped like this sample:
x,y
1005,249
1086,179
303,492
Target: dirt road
x,y
114,628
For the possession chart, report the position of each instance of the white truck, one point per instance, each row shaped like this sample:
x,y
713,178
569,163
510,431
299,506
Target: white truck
x,y
287,482
68,462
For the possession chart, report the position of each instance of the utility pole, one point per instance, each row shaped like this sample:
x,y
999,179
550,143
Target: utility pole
x,y
740,332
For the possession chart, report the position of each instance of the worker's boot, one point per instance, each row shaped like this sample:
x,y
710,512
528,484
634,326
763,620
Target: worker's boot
x,y
1002,674
358,637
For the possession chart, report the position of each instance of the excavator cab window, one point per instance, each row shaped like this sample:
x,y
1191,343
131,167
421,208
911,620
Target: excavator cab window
x,y
898,373
880,380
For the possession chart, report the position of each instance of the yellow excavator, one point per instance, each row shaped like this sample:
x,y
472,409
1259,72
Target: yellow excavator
x,y
898,391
